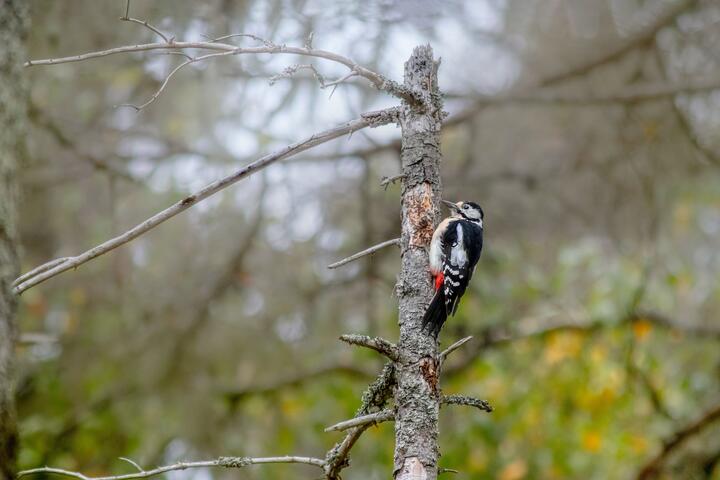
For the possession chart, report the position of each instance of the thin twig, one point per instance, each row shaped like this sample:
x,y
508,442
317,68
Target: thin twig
x,y
386,181
170,75
447,470
372,419
144,23
225,462
58,266
340,80
41,269
378,344
131,462
290,71
364,253
444,354
468,401
126,18
173,52
337,82
293,69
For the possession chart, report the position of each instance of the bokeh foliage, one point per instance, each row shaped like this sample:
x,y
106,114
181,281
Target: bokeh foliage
x,y
593,309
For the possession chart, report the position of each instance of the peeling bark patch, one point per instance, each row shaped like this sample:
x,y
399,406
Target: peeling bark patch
x,y
413,469
429,373
420,215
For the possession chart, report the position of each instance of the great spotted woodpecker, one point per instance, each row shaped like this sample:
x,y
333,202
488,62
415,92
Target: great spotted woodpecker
x,y
454,251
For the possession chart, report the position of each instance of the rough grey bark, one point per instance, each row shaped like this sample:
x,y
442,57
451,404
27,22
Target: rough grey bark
x,y
13,24
417,394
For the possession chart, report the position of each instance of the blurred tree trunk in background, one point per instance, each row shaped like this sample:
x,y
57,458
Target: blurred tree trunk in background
x,y
13,111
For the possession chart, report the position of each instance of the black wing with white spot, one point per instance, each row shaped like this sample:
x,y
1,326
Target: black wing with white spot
x,y
456,265
461,247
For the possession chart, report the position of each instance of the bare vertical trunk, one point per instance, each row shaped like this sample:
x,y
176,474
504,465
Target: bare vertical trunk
x,y
13,22
417,396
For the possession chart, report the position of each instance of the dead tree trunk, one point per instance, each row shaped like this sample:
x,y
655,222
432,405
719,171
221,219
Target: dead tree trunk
x,y
417,394
13,15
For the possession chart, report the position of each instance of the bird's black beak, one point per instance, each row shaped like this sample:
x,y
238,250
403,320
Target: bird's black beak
x,y
450,205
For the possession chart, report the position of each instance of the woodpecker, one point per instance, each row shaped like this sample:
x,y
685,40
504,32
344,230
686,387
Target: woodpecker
x,y
454,251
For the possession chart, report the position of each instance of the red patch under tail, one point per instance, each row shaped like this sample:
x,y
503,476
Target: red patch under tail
x,y
439,279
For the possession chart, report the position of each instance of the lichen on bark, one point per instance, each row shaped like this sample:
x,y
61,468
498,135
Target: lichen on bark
x,y
417,396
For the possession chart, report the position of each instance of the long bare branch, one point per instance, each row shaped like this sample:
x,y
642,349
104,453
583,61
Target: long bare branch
x,y
224,462
364,253
371,119
375,78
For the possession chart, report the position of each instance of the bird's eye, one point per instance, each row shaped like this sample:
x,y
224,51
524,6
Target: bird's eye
x,y
465,207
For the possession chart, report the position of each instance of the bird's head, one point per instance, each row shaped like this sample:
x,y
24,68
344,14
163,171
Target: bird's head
x,y
468,210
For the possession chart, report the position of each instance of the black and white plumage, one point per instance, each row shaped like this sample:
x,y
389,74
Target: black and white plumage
x,y
454,251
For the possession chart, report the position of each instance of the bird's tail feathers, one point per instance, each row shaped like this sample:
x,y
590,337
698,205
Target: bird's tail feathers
x,y
436,314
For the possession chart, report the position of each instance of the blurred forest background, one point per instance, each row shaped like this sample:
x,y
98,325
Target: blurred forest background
x,y
579,126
